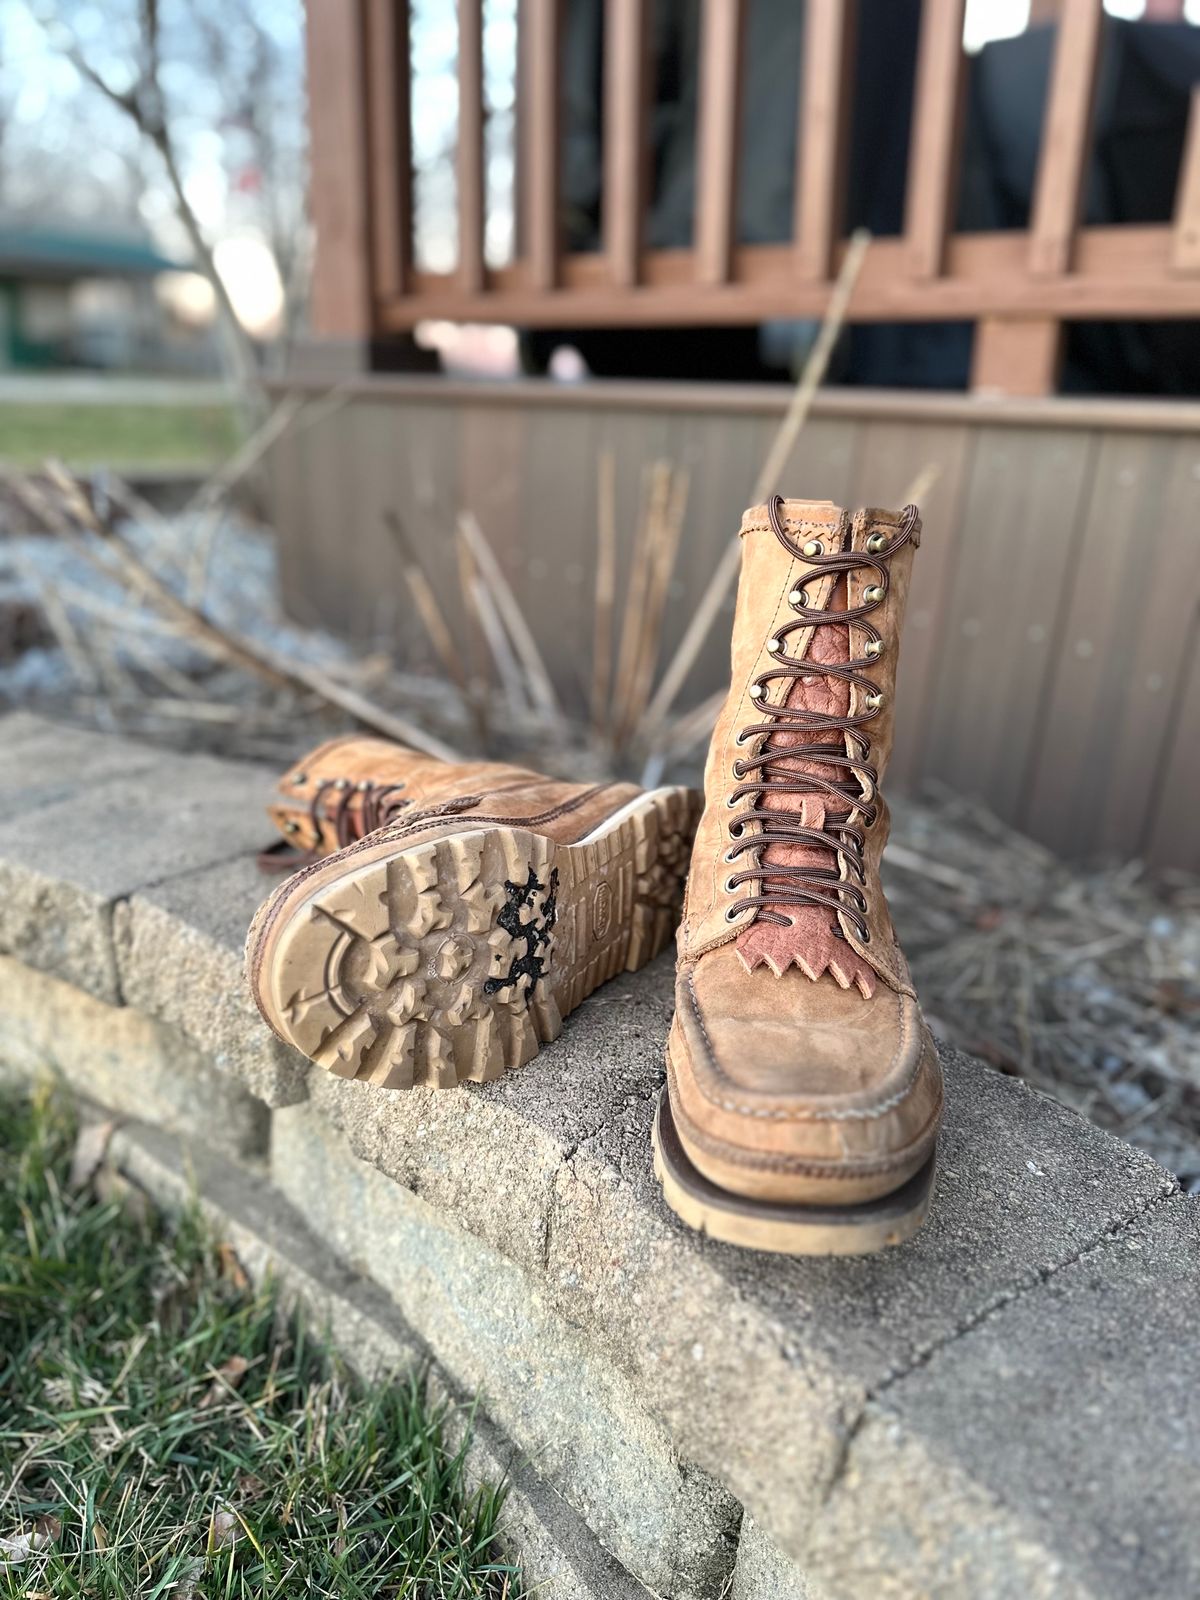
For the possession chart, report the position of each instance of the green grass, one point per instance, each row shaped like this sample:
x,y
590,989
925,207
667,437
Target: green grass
x,y
171,1435
122,434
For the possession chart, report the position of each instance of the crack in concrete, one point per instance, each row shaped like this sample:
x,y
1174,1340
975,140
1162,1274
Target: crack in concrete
x,y
1021,1290
925,1354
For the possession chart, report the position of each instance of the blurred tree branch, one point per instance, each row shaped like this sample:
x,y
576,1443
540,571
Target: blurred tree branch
x,y
144,103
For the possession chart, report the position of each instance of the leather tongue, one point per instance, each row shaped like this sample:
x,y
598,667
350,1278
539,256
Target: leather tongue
x,y
811,939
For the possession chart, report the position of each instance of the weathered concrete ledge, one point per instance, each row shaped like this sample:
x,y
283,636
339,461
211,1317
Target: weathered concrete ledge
x,y
1010,1405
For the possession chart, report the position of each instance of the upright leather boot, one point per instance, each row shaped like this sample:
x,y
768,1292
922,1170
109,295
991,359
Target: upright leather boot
x,y
450,942
349,786
803,1089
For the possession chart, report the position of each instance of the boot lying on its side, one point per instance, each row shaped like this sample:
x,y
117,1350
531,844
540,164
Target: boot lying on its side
x,y
349,786
803,1089
470,908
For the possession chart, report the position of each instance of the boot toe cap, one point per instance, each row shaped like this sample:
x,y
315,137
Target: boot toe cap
x,y
813,1097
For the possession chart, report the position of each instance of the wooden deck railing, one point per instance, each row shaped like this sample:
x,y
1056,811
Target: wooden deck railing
x,y
1017,286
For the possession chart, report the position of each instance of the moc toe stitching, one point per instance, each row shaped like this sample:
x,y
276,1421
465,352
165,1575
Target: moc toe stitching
x,y
867,1113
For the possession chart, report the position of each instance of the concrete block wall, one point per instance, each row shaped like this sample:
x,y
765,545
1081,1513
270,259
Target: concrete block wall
x,y
1007,1406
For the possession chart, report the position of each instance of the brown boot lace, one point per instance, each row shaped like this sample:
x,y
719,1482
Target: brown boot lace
x,y
380,803
852,782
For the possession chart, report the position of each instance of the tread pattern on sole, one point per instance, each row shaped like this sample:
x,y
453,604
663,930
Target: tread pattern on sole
x,y
456,958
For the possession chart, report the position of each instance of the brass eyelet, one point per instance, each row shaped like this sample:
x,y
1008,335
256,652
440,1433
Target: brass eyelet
x,y
873,702
291,827
798,598
363,785
341,783
757,691
730,886
732,914
814,547
874,649
775,645
300,779
873,594
876,543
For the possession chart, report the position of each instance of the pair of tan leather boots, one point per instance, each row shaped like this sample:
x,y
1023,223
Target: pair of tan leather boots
x,y
447,918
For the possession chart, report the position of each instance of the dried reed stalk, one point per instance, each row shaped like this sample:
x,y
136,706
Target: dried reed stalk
x,y
606,589
924,481
537,679
664,548
433,620
652,507
765,484
192,624
500,646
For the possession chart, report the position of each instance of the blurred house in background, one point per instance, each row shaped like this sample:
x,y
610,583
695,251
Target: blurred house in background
x,y
85,296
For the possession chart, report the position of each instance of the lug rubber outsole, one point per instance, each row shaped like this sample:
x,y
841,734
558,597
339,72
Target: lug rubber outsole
x,y
454,958
783,1229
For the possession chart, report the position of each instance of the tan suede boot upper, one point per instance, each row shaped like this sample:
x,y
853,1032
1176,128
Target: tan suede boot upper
x,y
449,941
800,1069
352,785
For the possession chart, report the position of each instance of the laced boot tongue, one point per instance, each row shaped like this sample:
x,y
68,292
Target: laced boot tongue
x,y
808,936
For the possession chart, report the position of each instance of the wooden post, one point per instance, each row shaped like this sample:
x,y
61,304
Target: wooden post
x,y
541,146
822,138
341,309
717,140
1016,356
470,146
389,125
1185,242
1066,138
626,148
936,136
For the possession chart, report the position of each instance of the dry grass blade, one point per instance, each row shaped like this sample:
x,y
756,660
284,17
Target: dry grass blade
x,y
694,728
195,626
918,490
290,416
59,622
541,689
433,620
656,489
499,645
606,590
476,669
664,548
776,459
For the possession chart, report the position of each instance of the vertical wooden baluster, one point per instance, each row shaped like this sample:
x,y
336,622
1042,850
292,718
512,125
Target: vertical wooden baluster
x,y
1185,242
1066,138
341,305
471,198
717,137
541,149
936,137
389,128
626,148
822,140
